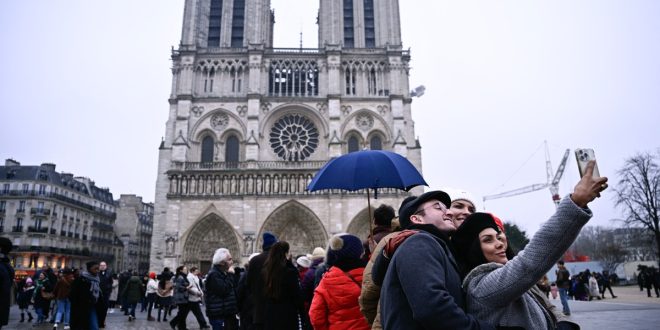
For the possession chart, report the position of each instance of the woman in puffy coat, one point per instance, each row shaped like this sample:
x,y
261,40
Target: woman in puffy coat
x,y
220,293
335,303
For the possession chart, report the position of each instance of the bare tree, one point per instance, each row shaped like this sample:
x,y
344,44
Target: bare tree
x,y
600,245
637,193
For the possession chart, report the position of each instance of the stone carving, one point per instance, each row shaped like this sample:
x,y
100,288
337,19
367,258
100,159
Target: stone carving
x,y
242,110
170,245
294,137
364,121
265,107
322,107
346,109
382,109
197,111
219,121
248,244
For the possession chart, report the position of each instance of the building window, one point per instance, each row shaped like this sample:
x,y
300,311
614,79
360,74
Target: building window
x,y
376,143
21,206
231,151
237,24
42,189
353,144
349,38
350,81
369,27
5,188
207,149
215,18
40,206
19,222
3,206
293,78
26,188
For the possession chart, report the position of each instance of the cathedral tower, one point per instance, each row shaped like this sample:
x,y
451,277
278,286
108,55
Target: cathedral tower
x,y
250,124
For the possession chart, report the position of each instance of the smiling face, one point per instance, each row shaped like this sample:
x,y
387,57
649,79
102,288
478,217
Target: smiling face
x,y
459,210
493,245
433,212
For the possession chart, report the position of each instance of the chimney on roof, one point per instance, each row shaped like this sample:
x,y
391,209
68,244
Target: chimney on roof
x,y
11,162
48,167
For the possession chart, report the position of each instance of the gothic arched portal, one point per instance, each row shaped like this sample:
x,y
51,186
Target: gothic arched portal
x,y
359,226
296,224
207,235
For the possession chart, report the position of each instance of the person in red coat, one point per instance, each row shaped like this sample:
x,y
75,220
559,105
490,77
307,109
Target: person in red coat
x,y
335,303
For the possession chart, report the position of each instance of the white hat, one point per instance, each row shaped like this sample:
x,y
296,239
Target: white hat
x,y
318,253
304,262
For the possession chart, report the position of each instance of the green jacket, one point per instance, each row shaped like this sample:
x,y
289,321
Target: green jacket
x,y
133,290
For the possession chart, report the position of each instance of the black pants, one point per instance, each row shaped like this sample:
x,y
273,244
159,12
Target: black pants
x,y
605,287
102,311
182,314
196,309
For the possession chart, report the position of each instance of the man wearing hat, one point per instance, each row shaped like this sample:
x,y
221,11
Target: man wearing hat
x,y
255,284
422,287
6,280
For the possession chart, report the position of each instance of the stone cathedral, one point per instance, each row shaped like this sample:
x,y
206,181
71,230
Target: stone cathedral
x,y
250,124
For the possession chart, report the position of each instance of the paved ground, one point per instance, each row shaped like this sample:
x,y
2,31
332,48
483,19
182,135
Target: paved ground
x,y
631,310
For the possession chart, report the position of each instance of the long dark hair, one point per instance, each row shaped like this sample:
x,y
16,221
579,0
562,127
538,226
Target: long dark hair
x,y
475,256
274,269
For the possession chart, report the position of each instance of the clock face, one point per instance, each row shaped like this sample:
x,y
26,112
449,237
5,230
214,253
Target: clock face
x,y
294,137
219,121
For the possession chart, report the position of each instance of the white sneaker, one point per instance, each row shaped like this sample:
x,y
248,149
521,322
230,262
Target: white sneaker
x,y
66,327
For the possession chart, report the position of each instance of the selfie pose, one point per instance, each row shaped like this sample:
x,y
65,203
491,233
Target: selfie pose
x,y
501,289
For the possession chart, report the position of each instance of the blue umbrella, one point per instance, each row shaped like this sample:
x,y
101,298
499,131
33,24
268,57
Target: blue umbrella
x,y
367,169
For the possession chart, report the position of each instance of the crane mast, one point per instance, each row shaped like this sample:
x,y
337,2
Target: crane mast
x,y
552,181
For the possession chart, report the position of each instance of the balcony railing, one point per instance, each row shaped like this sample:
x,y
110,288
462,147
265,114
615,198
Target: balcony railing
x,y
42,230
63,233
17,229
102,226
102,240
266,165
59,197
39,211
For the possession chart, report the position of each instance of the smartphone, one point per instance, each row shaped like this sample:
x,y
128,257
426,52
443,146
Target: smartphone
x,y
583,156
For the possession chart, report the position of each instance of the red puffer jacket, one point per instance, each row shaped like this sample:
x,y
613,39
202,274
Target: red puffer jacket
x,y
335,305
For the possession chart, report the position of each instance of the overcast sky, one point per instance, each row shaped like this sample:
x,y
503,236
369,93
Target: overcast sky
x,y
84,84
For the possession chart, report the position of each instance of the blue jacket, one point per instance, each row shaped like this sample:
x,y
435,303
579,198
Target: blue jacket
x,y
422,286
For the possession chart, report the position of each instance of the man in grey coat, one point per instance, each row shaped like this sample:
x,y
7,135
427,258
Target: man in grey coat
x,y
421,287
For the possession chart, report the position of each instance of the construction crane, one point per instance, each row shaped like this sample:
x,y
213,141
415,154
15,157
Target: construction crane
x,y
552,183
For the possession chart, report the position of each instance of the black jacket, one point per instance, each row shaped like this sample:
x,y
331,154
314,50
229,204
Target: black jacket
x,y
220,294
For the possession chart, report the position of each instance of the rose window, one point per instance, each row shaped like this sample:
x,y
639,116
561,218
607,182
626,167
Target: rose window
x,y
294,137
219,121
364,121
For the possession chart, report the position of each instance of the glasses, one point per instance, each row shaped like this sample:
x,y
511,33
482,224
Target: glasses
x,y
437,206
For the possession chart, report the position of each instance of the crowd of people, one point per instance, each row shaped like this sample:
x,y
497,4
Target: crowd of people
x,y
440,265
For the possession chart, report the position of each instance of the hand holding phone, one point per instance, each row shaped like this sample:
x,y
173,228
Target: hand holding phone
x,y
583,156
590,186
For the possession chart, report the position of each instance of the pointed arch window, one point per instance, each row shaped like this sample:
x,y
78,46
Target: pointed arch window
x,y
376,143
353,144
207,149
231,151
215,16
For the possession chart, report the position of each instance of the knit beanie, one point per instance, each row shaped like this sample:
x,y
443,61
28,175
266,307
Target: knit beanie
x,y
318,253
152,275
269,239
468,233
342,247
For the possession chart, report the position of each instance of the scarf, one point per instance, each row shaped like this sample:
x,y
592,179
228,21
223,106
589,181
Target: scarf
x,y
94,288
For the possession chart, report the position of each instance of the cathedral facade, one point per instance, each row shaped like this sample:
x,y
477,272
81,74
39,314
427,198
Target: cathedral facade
x,y
250,124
